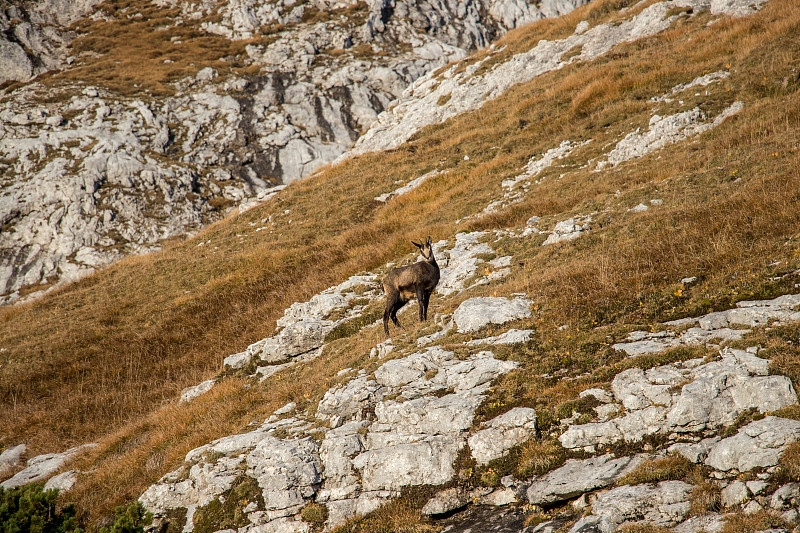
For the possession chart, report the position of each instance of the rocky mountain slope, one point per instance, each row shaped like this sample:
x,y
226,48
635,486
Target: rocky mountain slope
x,y
614,341
95,169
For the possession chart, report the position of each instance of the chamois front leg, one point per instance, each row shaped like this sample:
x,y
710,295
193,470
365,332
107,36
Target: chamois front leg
x,y
426,299
421,302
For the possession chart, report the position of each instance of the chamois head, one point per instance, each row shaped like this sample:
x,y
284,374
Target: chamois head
x,y
425,249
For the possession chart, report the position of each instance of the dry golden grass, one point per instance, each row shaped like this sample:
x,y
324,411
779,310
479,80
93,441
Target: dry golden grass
x,y
400,515
672,467
539,456
760,521
790,463
104,359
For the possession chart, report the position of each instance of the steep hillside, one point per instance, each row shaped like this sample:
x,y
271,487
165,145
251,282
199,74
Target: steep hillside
x,y
613,343
150,119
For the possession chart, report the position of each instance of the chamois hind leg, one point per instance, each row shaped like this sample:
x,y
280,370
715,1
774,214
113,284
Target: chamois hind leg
x,y
391,301
397,306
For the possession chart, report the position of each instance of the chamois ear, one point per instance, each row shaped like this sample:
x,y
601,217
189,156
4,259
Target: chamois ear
x,y
415,244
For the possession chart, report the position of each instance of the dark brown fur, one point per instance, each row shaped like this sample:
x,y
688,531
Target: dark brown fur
x,y
403,283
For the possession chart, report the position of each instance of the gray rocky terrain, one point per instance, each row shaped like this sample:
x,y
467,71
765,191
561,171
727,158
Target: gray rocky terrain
x,y
89,176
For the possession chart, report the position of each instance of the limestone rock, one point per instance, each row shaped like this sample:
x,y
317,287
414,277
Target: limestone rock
x,y
343,403
567,230
600,394
786,496
11,457
288,471
475,313
62,482
579,476
695,452
460,262
663,131
512,336
503,433
758,444
469,90
424,462
190,393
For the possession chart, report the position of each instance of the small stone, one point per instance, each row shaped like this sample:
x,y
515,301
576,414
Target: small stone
x,y
734,494
190,393
237,360
791,516
601,395
286,409
756,487
582,502
752,507
445,501
786,496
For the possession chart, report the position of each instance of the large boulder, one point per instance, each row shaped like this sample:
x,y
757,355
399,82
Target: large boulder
x,y
475,313
579,476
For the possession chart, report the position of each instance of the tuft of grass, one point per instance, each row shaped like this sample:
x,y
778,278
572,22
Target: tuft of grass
x,y
539,456
672,467
315,513
789,463
760,521
399,515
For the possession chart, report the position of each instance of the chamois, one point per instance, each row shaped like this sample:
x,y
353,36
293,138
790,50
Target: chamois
x,y
403,283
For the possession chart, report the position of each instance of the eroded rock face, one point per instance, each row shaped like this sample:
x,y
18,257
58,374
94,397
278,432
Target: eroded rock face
x,y
468,90
377,445
503,433
34,36
758,444
662,505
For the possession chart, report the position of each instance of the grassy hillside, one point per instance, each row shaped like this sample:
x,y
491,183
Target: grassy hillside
x,y
104,359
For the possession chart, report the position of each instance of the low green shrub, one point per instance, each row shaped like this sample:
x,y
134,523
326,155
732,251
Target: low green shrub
x,y
31,509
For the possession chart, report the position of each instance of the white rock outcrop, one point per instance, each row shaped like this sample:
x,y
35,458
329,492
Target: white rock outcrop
x,y
475,313
710,395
